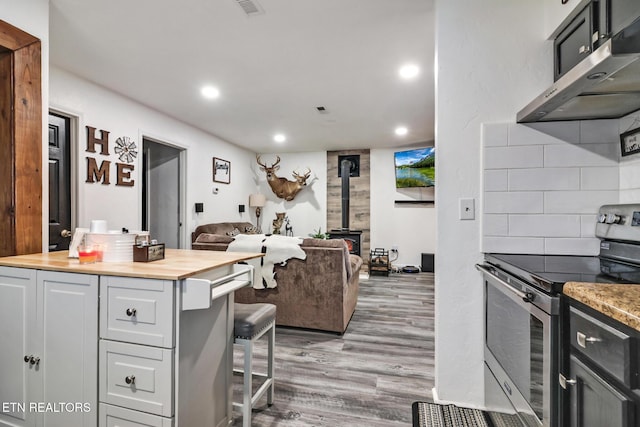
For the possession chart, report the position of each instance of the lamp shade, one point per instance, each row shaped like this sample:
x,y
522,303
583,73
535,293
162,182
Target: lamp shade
x,y
257,200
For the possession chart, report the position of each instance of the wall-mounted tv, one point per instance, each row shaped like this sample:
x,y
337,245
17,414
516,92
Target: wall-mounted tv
x,y
415,168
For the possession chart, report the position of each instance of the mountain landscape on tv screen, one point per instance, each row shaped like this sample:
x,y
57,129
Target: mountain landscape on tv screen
x,y
415,168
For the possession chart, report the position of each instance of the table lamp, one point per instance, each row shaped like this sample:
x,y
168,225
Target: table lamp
x,y
257,201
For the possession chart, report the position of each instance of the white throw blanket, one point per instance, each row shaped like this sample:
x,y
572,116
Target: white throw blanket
x,y
277,249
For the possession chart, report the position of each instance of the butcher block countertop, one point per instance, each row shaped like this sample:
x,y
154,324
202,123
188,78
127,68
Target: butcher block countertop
x,y
178,264
620,302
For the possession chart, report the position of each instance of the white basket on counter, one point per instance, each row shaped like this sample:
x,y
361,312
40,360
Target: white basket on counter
x,y
116,246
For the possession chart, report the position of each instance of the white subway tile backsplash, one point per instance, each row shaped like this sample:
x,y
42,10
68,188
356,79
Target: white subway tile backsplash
x,y
495,180
558,132
516,245
530,202
630,196
543,184
495,225
513,157
568,155
607,178
599,131
495,134
563,246
588,225
630,175
577,202
544,225
544,179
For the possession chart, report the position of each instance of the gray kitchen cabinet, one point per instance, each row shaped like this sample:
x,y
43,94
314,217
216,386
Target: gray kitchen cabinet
x,y
49,353
596,402
600,377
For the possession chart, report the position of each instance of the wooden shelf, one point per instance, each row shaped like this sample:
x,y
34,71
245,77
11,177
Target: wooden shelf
x,y
414,202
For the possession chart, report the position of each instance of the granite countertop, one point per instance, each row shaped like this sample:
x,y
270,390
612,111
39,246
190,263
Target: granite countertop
x,y
618,301
177,264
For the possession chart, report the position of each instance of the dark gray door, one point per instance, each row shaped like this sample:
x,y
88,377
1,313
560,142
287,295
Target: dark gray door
x,y
161,193
59,183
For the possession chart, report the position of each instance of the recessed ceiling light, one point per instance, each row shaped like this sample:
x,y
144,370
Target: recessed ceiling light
x,y
279,137
409,71
401,131
210,92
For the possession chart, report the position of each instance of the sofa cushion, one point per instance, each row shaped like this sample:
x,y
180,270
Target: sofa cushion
x,y
213,238
219,228
332,243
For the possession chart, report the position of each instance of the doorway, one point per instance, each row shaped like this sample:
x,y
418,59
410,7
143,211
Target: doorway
x,y
162,192
60,170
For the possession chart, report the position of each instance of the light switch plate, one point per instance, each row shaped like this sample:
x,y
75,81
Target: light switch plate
x,y
467,209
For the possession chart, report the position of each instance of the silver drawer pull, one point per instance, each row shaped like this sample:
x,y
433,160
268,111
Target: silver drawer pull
x,y
583,340
131,379
131,312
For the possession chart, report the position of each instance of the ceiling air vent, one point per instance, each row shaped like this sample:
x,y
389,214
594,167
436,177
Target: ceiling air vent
x,y
250,7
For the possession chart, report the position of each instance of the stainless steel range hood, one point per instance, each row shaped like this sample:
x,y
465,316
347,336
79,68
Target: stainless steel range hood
x,y
605,85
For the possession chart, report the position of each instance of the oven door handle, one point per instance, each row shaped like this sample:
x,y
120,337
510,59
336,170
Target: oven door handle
x,y
526,296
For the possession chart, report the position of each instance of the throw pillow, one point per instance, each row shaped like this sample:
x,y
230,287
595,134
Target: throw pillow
x,y
233,232
251,230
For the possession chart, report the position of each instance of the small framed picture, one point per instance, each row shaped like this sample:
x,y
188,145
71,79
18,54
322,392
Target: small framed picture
x,y
630,142
221,170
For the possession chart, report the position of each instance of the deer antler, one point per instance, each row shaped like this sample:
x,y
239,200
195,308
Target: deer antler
x,y
277,161
259,162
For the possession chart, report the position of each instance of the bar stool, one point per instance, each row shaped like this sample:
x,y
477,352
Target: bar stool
x,y
250,322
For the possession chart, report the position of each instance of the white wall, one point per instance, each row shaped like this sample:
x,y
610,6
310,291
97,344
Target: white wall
x,y
32,16
308,210
630,165
121,206
544,183
410,227
492,58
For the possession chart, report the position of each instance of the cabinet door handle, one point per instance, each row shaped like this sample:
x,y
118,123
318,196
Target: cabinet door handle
x,y
131,379
583,340
131,312
28,358
34,360
564,382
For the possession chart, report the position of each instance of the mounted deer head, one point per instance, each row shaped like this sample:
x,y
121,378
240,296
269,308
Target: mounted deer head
x,y
282,187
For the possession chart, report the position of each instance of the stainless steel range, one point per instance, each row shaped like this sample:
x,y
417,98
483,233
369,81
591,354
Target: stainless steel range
x,y
522,308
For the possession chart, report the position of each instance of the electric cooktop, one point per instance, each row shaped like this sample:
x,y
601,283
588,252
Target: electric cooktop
x,y
550,272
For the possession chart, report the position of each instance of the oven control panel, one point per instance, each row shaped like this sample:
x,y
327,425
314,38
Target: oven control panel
x,y
619,222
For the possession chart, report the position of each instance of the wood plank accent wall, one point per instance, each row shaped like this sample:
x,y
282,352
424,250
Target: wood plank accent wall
x,y
359,206
21,114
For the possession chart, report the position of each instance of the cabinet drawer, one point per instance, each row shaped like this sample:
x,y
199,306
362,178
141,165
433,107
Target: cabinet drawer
x,y
609,348
137,377
114,416
138,311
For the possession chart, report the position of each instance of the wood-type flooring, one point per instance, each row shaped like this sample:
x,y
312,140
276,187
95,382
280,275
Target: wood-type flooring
x,y
369,376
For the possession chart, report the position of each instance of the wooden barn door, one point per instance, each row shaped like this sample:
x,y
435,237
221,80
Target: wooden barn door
x,y
20,142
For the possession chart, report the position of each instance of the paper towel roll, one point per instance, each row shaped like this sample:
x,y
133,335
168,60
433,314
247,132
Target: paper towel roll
x,y
98,226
